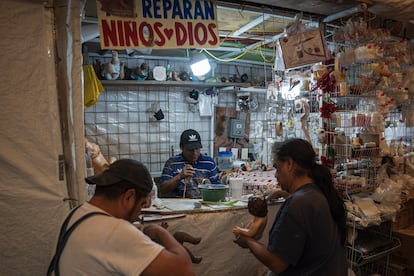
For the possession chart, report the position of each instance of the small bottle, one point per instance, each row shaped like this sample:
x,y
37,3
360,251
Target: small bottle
x,y
155,200
343,88
154,191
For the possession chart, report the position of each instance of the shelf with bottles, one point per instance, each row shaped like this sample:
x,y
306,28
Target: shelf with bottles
x,y
354,147
355,176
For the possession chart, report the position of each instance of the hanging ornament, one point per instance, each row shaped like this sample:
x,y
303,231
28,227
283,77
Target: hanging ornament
x,y
326,82
327,109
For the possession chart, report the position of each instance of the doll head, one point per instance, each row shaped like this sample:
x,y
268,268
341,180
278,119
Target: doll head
x,y
257,206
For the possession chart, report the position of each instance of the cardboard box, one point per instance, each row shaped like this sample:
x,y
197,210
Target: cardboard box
x,y
405,253
405,216
395,268
303,49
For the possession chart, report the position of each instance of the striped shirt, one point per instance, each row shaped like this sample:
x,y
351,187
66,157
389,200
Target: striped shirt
x,y
205,169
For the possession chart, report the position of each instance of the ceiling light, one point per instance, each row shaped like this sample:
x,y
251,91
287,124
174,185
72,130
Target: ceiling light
x,y
200,64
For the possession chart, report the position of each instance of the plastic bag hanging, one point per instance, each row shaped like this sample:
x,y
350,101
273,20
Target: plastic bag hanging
x,y
205,105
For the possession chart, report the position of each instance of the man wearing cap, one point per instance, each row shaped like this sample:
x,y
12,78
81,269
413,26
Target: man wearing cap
x,y
184,172
99,238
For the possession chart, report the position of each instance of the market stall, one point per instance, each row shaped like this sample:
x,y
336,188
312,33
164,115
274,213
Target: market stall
x,y
214,224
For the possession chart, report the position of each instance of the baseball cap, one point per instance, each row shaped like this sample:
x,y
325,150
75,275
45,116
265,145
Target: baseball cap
x,y
124,170
190,139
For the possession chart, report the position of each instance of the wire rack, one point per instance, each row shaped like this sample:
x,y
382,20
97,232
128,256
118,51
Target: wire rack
x,y
371,244
381,266
361,178
354,138
355,133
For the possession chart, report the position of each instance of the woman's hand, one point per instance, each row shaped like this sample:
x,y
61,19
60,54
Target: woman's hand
x,y
276,193
237,230
242,241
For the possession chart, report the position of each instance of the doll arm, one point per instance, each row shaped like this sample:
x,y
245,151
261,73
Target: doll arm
x,y
253,228
276,193
257,227
239,230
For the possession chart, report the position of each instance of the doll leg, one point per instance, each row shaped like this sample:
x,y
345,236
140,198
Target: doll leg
x,y
194,259
181,237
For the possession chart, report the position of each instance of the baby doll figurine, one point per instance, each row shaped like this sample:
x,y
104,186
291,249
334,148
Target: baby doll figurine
x,y
182,237
257,207
99,162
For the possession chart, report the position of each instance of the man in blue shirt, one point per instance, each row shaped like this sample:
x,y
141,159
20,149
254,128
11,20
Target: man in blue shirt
x,y
184,172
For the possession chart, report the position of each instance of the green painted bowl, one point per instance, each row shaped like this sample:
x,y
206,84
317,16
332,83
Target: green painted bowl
x,y
213,192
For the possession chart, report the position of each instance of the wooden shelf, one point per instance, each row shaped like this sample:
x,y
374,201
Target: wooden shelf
x,y
172,83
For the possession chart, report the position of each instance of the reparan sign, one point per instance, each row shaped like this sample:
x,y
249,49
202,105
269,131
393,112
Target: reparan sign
x,y
158,24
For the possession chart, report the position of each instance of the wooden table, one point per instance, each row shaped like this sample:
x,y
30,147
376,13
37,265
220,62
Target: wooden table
x,y
221,256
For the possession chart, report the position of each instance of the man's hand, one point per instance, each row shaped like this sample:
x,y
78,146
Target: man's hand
x,y
187,172
153,231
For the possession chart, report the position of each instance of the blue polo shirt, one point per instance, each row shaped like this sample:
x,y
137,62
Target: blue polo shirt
x,y
205,168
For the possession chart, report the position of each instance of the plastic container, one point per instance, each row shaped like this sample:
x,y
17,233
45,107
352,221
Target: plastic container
x,y
236,186
213,192
225,160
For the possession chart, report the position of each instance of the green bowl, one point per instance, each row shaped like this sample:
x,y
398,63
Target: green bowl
x,y
213,192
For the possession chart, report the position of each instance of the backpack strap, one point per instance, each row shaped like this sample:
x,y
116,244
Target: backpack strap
x,y
64,236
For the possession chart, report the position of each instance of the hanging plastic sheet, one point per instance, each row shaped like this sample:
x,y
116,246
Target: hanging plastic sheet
x,y
92,86
205,105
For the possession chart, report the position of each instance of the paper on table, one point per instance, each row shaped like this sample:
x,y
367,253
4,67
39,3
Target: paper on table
x,y
157,217
225,204
182,204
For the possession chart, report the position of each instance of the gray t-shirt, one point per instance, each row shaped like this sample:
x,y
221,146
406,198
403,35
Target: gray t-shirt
x,y
305,235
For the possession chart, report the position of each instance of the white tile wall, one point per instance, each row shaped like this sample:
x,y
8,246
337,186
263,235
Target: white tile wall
x,y
120,122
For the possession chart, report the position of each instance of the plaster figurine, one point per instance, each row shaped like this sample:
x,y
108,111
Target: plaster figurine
x,y
141,72
384,147
113,70
400,147
180,236
183,237
99,162
303,103
392,147
257,207
322,136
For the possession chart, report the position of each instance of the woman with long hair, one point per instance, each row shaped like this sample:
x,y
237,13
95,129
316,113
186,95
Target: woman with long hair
x,y
309,232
